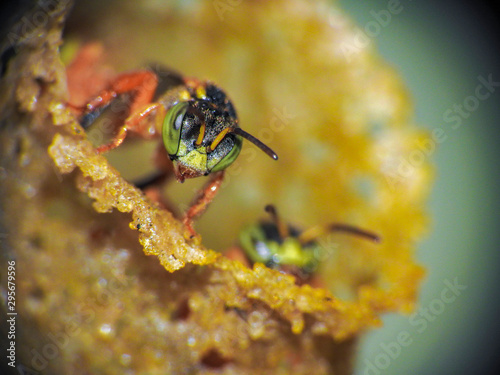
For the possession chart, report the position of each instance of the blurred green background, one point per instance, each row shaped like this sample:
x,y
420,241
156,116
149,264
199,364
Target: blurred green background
x,y
441,49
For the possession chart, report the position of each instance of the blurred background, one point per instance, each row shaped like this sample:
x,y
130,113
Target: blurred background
x,y
441,49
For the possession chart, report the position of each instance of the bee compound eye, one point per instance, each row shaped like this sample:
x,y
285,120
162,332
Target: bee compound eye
x,y
172,127
229,158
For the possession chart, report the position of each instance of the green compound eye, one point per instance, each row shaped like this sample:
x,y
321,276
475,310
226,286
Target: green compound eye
x,y
227,160
172,126
255,244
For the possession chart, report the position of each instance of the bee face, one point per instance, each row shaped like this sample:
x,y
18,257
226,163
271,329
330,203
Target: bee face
x,y
198,133
263,243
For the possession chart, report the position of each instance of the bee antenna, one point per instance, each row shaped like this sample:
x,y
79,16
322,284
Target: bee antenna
x,y
354,230
196,112
282,227
313,233
255,141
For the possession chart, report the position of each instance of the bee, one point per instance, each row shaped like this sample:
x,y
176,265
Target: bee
x,y
283,247
195,120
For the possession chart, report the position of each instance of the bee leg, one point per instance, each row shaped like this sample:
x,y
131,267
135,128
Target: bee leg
x,y
205,197
152,188
137,123
152,184
142,86
141,83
